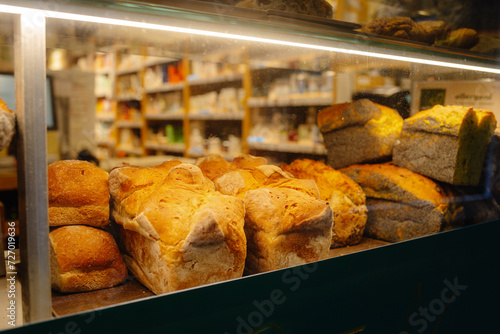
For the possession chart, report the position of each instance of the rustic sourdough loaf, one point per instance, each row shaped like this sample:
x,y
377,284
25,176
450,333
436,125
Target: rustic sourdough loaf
x,y
286,223
78,194
446,143
84,258
176,230
345,197
359,132
401,204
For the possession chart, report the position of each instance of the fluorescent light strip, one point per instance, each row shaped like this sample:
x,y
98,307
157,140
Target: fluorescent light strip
x,y
103,20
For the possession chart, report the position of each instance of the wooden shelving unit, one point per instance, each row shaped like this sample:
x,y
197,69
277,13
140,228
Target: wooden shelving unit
x,y
165,112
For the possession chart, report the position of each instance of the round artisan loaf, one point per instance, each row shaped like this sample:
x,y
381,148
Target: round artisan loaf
x,y
347,199
7,125
84,258
78,194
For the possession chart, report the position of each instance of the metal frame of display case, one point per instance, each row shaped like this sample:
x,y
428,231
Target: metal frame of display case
x,y
443,273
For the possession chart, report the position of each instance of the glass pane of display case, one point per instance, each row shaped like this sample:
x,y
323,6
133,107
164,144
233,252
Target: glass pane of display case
x,y
201,149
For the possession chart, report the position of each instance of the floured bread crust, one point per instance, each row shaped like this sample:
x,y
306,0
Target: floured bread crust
x,y
177,230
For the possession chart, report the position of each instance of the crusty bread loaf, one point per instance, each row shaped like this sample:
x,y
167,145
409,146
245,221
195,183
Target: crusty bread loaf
x,y
84,258
359,132
177,231
7,125
319,8
345,197
401,204
463,38
446,143
78,194
439,30
286,223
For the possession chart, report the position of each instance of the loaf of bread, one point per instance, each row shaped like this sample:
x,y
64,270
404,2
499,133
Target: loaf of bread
x,y
359,132
446,143
78,194
286,223
463,38
399,27
401,204
7,125
84,258
176,230
345,197
319,8
439,30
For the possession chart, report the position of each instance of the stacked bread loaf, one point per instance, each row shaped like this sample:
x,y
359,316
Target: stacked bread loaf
x,y
359,132
176,229
286,222
412,193
345,197
84,257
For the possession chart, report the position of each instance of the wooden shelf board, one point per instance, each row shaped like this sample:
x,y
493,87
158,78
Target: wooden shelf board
x,y
130,290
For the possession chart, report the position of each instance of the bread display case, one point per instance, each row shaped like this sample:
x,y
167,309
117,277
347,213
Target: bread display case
x,y
241,183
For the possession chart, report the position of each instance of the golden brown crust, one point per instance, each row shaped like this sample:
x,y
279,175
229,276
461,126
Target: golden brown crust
x,y
84,258
342,115
214,165
178,231
359,132
286,223
345,196
393,183
247,161
402,204
78,194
